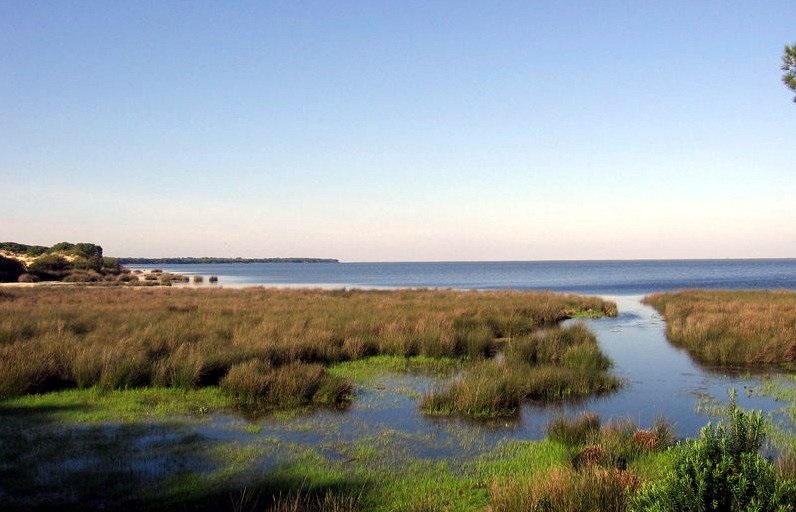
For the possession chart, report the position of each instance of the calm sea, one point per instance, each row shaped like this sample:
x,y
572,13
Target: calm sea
x,y
593,277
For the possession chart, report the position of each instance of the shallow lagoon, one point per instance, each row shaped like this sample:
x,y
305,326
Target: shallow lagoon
x,y
382,428
660,380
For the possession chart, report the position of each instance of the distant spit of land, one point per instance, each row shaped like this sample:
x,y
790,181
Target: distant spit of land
x,y
210,260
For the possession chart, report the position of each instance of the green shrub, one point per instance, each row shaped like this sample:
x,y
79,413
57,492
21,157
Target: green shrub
x,y
722,471
10,269
88,250
62,247
50,267
82,249
35,250
91,263
13,247
111,265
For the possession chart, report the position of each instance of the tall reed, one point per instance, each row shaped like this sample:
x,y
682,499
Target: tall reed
x,y
554,364
731,327
127,337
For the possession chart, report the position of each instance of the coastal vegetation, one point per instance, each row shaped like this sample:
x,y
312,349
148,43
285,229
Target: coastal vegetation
x,y
732,327
214,260
109,394
789,68
68,262
253,342
723,470
582,466
551,364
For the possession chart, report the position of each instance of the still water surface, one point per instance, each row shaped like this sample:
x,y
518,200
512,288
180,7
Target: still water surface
x,y
592,277
660,379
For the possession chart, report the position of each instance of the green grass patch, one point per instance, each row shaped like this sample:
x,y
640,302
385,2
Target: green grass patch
x,y
125,405
521,459
365,371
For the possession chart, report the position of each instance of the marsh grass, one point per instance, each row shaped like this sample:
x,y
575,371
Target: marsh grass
x,y
566,490
732,327
289,386
614,445
367,369
554,364
121,338
601,473
326,502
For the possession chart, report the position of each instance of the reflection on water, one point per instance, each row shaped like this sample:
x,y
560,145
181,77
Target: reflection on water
x,y
660,380
384,420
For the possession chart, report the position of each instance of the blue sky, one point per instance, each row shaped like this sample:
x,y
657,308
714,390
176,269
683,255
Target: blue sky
x,y
373,131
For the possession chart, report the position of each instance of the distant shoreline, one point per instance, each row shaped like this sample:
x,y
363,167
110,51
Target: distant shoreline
x,y
211,261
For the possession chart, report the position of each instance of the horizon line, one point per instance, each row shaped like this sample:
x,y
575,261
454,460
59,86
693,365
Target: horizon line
x,y
573,260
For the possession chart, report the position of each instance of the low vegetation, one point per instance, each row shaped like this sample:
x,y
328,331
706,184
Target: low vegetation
x,y
65,261
259,342
585,465
212,260
551,364
732,327
723,470
619,467
599,475
287,386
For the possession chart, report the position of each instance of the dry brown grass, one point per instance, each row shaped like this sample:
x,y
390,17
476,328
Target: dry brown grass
x,y
125,337
731,327
592,489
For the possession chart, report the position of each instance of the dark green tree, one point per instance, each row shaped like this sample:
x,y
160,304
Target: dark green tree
x,y
10,269
789,67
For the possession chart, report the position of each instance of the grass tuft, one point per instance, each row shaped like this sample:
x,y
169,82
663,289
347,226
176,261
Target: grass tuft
x,y
732,327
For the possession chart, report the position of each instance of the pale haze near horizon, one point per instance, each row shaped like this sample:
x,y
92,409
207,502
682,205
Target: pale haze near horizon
x,y
403,131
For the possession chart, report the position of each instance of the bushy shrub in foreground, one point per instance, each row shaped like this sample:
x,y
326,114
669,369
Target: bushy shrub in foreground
x,y
10,269
722,471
